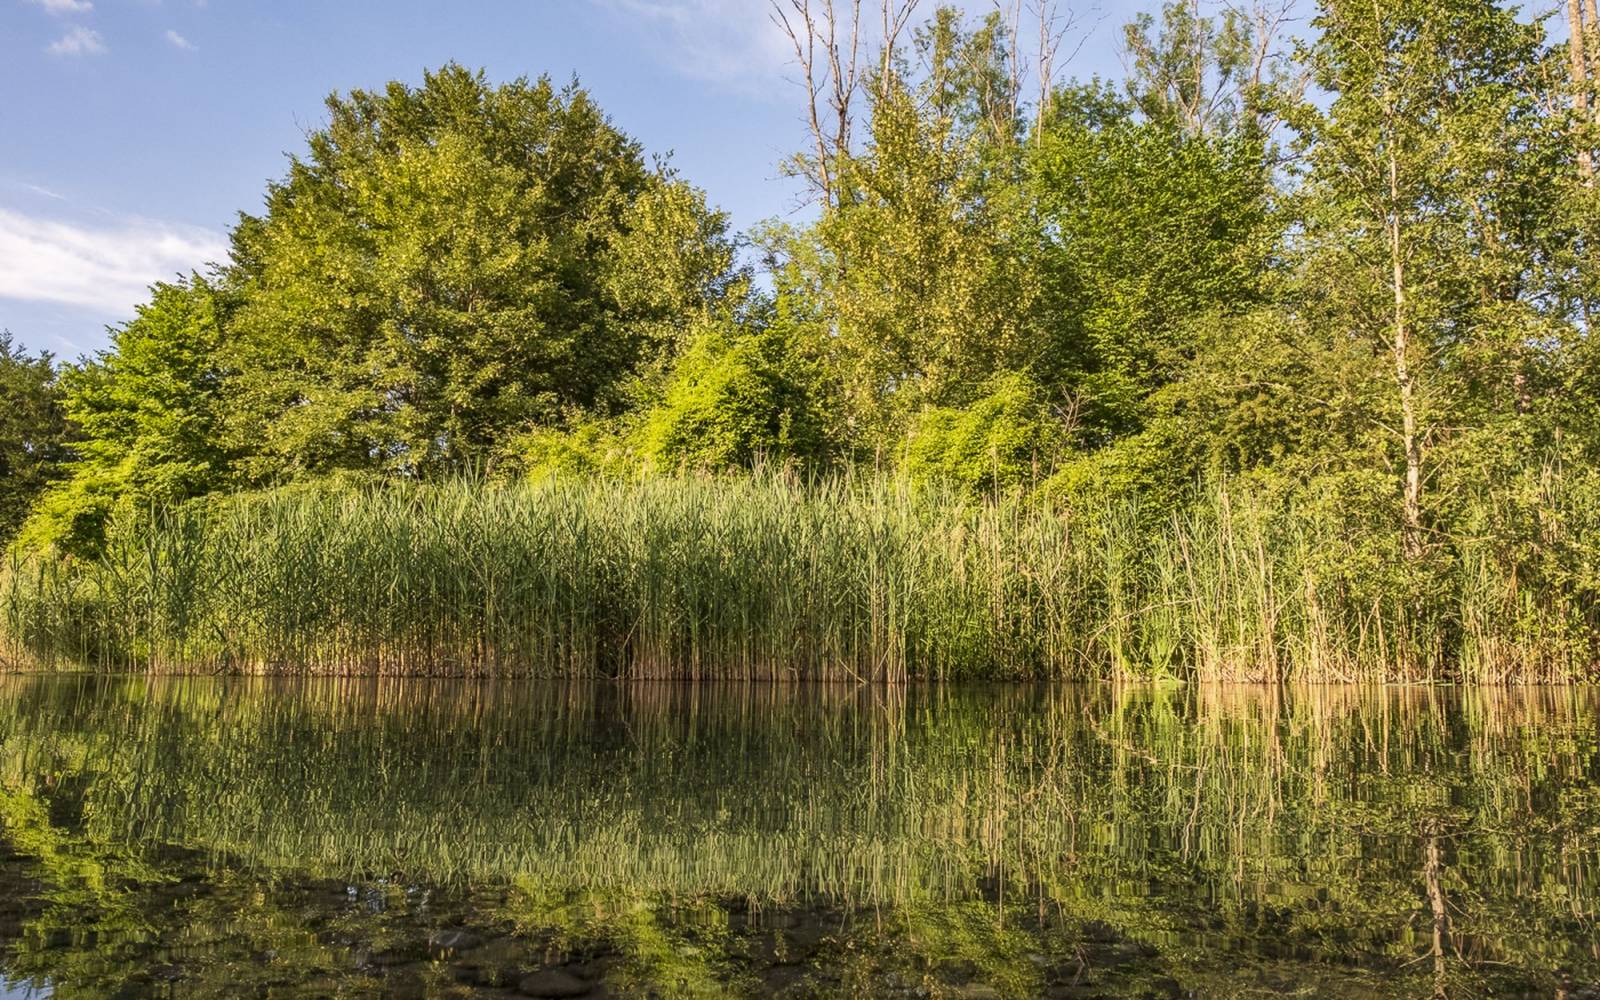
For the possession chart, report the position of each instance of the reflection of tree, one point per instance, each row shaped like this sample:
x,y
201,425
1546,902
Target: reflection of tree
x,y
1202,833
82,895
1438,911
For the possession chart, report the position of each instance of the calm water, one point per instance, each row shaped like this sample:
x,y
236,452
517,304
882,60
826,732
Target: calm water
x,y
237,838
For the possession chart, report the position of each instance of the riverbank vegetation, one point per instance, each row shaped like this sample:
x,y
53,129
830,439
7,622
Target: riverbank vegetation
x,y
1272,359
771,578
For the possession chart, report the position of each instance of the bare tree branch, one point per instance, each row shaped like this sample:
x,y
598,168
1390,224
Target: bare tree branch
x,y
802,32
897,15
828,41
1053,26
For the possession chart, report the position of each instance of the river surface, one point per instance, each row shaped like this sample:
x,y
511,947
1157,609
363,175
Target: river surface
x,y
206,837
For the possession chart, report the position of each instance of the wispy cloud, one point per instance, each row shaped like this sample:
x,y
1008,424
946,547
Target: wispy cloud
x,y
735,43
731,42
179,41
107,267
78,41
65,6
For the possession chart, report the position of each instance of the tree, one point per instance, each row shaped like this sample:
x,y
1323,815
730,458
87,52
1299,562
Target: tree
x,y
1009,438
33,431
914,285
452,264
1580,46
148,415
1147,226
1425,207
830,44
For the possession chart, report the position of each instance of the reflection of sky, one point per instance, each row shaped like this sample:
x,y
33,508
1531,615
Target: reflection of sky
x,y
25,990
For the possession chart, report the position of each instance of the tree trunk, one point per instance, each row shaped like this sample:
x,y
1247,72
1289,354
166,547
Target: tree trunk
x,y
1405,381
1589,42
1580,81
1432,878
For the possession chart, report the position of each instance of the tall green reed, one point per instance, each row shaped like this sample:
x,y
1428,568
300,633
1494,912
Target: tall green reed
x,y
767,577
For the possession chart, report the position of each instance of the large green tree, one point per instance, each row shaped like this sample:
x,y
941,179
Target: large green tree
x,y
1430,212
148,414
960,251
916,280
33,431
450,264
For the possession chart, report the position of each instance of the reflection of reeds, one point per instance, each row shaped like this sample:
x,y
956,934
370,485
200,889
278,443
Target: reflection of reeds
x,y
1303,812
765,578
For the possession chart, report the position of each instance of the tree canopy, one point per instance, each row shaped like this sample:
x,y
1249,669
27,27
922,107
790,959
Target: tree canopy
x,y
451,263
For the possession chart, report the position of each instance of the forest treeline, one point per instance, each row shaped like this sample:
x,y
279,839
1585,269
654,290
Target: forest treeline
x,y
1351,277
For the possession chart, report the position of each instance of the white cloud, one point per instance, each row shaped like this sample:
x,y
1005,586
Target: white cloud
x,y
78,41
65,6
180,41
108,268
736,43
721,41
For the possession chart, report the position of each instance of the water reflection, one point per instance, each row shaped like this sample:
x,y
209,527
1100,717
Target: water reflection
x,y
207,837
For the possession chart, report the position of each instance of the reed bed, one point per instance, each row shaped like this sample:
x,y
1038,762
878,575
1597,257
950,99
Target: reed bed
x,y
771,578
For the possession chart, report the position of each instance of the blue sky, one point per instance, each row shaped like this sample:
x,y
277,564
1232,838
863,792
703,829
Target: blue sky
x,y
133,131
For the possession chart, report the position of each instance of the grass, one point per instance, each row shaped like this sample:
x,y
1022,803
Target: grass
x,y
768,578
